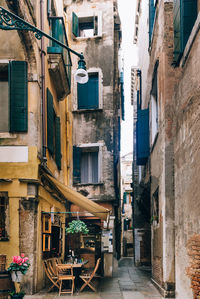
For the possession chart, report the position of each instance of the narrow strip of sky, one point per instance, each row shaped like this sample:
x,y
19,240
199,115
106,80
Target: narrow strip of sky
x,y
127,16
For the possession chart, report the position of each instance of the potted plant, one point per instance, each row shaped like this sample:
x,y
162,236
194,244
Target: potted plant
x,y
16,295
77,226
18,267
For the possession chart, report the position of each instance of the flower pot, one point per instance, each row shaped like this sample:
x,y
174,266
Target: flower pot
x,y
16,276
17,296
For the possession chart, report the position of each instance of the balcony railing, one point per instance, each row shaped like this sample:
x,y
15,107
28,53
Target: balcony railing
x,y
57,30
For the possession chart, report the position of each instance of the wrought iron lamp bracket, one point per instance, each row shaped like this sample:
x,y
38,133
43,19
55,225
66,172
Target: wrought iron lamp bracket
x,y
10,21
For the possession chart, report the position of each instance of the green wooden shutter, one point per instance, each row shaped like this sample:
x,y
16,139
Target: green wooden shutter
x,y
142,136
76,165
151,18
50,122
93,91
88,94
189,15
57,143
185,14
18,92
82,94
75,24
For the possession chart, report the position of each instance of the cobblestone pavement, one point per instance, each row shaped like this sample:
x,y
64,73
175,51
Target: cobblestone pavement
x,y
128,282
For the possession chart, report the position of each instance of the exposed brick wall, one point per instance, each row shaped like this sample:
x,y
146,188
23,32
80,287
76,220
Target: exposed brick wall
x,y
193,271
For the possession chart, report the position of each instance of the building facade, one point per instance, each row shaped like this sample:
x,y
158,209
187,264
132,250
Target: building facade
x,y
94,28
167,139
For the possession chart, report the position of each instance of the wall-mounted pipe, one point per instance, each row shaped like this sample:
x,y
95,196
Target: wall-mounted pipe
x,y
44,145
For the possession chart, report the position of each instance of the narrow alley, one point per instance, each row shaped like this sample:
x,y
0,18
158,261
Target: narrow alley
x,y
127,282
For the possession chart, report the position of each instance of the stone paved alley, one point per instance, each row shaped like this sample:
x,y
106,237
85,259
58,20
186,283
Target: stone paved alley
x,y
128,282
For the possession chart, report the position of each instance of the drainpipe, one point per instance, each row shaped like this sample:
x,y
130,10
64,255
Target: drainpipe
x,y
44,145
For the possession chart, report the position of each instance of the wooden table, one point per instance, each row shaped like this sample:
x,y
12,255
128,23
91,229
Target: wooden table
x,y
77,269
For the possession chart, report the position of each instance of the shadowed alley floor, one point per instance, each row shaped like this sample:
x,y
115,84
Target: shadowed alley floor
x,y
128,282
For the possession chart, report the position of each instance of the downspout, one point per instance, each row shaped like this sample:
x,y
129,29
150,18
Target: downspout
x,y
44,145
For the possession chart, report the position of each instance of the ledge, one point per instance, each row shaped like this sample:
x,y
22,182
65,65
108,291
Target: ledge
x,y
87,110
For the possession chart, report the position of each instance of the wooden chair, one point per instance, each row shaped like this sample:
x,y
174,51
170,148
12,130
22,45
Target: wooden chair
x,y
65,272
51,274
87,277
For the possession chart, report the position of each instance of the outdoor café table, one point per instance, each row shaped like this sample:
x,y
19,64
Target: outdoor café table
x,y
77,268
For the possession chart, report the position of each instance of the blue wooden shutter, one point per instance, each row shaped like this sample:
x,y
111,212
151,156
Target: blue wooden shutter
x,y
18,92
189,15
50,122
57,143
142,136
57,32
75,24
76,164
151,18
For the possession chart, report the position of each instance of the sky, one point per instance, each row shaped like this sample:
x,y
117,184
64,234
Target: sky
x,y
127,15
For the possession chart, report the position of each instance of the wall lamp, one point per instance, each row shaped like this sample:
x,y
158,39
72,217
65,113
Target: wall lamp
x,y
10,21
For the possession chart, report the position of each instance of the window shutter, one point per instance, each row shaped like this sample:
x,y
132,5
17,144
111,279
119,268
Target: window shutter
x,y
93,94
50,122
177,30
76,164
57,143
75,25
57,32
189,17
151,18
18,91
82,92
142,136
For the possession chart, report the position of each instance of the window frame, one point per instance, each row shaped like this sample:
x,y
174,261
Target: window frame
x,y
89,15
87,147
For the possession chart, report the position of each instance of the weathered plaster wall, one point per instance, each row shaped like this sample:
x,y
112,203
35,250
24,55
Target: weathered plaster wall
x,y
96,126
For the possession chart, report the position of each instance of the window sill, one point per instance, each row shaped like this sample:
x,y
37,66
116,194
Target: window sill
x,y
8,135
88,184
82,38
4,239
87,110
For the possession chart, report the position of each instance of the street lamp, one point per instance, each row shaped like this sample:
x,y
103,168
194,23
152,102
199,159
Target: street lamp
x,y
10,21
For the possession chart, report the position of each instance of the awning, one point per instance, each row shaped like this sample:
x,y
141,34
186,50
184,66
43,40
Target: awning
x,y
81,201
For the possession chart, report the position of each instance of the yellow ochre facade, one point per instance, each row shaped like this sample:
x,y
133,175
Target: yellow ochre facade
x,y
35,138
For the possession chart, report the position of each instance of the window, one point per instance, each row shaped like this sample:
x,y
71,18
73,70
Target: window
x,y
185,14
53,131
86,165
86,26
3,216
51,235
88,94
154,108
13,97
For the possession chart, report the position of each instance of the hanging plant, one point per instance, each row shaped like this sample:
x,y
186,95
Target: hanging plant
x,y
77,226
